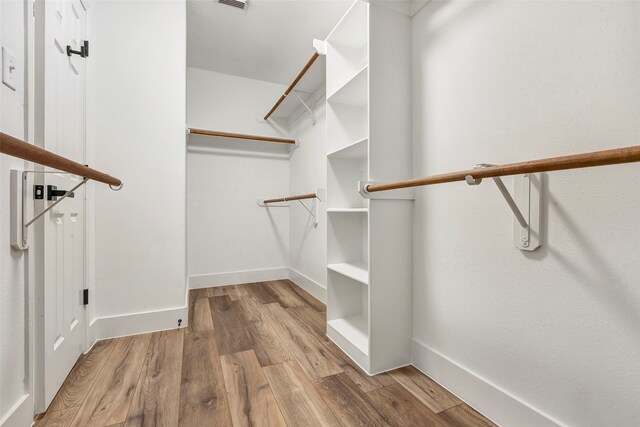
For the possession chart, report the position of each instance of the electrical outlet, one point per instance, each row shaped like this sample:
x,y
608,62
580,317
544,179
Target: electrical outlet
x,y
9,69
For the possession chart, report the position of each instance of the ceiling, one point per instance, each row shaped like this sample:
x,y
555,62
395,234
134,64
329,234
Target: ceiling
x,y
270,40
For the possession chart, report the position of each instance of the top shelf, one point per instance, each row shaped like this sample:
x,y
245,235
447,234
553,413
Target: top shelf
x,y
352,30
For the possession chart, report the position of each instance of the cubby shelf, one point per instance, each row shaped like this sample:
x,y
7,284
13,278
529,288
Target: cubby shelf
x,y
354,91
354,150
355,271
354,329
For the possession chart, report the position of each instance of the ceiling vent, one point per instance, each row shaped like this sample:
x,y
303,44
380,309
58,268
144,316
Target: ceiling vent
x,y
240,4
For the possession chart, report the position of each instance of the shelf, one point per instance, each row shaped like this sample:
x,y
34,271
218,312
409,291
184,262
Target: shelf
x,y
355,150
355,330
348,210
346,124
355,271
352,29
354,92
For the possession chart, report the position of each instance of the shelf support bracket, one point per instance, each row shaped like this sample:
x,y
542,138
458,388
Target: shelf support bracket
x,y
527,215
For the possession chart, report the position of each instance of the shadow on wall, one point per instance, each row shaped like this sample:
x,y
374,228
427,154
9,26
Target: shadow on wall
x,y
281,244
602,280
308,227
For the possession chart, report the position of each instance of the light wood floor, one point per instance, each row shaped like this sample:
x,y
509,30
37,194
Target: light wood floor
x,y
253,354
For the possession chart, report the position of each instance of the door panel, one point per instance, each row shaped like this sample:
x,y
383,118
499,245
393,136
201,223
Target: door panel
x,y
63,258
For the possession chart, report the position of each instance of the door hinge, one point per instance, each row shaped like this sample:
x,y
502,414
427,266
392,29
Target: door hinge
x,y
85,296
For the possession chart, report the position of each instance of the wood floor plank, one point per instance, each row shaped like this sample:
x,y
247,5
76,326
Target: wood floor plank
x,y
60,418
267,344
194,295
363,380
432,394
351,406
156,401
251,400
203,398
310,319
218,291
310,301
201,319
110,397
82,376
283,295
384,378
299,401
258,292
400,408
231,331
238,292
312,355
464,416
235,292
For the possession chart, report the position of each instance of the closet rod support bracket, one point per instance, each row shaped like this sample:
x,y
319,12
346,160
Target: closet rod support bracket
x,y
399,194
20,206
312,109
526,211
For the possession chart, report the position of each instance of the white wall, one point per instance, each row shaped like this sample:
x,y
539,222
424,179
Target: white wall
x,y
227,103
558,329
14,335
230,238
137,112
308,172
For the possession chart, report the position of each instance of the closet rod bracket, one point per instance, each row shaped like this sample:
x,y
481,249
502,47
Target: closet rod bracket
x,y
19,205
526,210
399,194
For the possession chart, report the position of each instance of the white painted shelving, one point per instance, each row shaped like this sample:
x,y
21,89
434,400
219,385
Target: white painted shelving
x,y
355,271
369,242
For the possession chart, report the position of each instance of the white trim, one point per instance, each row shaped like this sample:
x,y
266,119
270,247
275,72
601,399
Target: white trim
x,y
139,323
200,281
495,403
21,414
309,285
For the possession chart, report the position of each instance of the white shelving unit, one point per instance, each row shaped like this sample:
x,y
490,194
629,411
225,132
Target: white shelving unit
x,y
369,241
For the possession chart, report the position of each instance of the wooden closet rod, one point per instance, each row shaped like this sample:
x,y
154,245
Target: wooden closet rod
x,y
292,85
288,199
242,136
22,150
574,161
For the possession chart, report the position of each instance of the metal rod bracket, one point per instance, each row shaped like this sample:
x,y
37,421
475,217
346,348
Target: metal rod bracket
x,y
399,194
312,109
526,211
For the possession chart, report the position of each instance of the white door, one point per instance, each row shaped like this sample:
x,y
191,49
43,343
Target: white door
x,y
62,260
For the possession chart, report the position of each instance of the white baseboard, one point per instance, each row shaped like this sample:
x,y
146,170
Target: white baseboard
x,y
493,402
309,285
237,277
138,323
20,415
